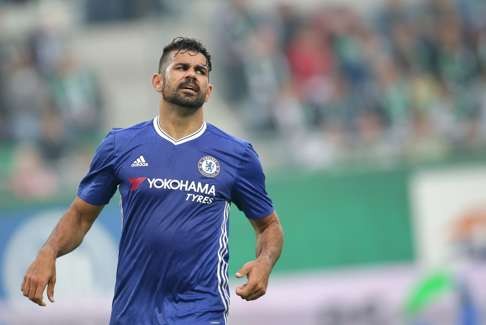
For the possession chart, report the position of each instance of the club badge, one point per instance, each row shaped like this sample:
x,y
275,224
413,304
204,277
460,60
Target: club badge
x,y
208,166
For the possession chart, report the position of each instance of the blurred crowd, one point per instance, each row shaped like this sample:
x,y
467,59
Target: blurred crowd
x,y
50,110
403,81
400,81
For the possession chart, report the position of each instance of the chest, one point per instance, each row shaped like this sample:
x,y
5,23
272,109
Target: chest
x,y
194,174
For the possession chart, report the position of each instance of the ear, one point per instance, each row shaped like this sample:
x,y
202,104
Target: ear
x,y
208,93
157,82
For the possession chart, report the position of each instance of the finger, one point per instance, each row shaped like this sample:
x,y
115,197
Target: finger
x,y
35,292
25,287
22,285
39,292
246,290
240,289
256,289
38,301
244,270
50,290
255,295
32,288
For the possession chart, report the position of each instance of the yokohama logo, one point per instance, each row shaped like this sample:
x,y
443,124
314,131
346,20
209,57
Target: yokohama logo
x,y
173,184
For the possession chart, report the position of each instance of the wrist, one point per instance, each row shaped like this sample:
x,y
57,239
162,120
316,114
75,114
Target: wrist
x,y
266,260
48,251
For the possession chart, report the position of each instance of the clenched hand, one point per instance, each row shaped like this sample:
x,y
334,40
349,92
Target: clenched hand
x,y
257,272
41,273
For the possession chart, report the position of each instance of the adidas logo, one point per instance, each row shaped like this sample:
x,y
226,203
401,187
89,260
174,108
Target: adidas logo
x,y
140,162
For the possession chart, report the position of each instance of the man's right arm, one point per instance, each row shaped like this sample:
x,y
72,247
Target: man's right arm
x,y
66,236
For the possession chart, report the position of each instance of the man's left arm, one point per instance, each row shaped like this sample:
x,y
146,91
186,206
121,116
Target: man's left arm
x,y
269,242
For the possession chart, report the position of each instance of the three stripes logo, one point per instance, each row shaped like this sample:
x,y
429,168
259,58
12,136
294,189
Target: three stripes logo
x,y
140,162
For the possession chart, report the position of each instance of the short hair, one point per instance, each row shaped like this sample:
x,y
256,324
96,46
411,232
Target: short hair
x,y
184,44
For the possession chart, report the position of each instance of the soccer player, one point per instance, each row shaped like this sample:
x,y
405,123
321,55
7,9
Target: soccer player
x,y
177,176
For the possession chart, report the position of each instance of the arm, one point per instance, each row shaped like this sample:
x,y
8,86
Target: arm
x,y
269,242
66,236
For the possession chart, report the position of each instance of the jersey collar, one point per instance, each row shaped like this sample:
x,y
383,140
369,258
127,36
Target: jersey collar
x,y
185,139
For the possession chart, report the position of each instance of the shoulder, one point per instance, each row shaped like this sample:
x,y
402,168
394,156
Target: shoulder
x,y
123,135
228,140
136,128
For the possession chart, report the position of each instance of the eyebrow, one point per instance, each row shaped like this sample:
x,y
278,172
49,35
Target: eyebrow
x,y
198,66
204,66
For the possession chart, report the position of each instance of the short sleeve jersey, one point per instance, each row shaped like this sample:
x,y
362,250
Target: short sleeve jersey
x,y
175,197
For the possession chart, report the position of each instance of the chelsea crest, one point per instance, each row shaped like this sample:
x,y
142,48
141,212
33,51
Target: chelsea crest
x,y
208,166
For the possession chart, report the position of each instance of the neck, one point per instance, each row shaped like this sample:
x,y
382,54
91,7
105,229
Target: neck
x,y
179,122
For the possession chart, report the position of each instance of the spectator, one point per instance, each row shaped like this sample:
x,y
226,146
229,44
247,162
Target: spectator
x,y
236,23
266,71
77,96
311,65
409,82
44,92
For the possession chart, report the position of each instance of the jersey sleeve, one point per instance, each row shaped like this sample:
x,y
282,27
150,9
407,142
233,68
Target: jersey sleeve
x,y
100,183
249,193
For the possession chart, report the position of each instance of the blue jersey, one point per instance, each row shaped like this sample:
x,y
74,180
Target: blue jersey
x,y
175,197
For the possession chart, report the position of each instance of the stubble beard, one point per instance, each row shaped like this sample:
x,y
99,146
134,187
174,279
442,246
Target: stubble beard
x,y
187,104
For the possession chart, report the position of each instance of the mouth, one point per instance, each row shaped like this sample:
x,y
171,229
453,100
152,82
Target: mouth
x,y
191,87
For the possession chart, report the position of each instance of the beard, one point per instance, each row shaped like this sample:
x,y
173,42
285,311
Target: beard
x,y
176,96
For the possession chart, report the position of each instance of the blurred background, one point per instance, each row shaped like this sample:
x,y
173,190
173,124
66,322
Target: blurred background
x,y
369,117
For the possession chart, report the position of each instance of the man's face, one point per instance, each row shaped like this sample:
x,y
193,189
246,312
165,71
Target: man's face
x,y
185,80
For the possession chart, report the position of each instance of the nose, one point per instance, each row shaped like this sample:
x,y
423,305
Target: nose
x,y
190,77
191,73
190,80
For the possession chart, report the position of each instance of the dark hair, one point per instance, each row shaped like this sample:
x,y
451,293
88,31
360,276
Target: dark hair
x,y
184,44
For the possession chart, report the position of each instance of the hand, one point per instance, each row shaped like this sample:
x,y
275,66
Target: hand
x,y
41,273
257,272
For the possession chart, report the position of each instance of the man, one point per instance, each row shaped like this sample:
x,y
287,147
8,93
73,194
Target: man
x,y
176,175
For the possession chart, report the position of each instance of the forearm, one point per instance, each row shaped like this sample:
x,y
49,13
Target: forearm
x,y
270,242
70,230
